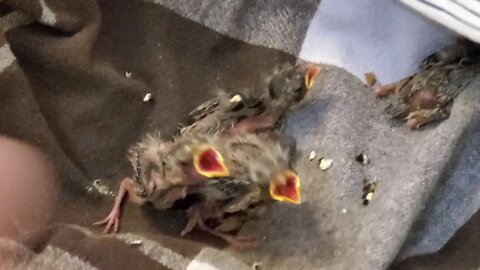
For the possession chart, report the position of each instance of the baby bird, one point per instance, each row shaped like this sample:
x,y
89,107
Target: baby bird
x,y
248,111
286,89
260,173
163,170
166,170
428,95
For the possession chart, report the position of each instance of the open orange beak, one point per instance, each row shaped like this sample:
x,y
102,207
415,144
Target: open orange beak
x,y
289,190
209,162
312,72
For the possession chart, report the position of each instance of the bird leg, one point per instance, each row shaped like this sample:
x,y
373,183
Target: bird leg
x,y
385,90
112,221
237,242
419,118
192,221
255,124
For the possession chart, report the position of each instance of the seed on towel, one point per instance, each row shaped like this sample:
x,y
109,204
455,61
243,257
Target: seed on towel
x,y
325,164
236,99
362,158
368,190
132,242
256,266
147,97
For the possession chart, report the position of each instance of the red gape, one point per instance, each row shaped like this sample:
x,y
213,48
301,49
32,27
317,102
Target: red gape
x,y
289,190
209,161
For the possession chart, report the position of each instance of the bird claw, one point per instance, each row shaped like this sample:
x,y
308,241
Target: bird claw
x,y
383,91
112,222
412,124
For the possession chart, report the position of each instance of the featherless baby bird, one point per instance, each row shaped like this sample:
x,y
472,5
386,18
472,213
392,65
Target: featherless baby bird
x,y
428,95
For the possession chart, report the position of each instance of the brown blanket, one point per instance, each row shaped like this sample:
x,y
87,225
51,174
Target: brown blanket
x,y
68,90
73,76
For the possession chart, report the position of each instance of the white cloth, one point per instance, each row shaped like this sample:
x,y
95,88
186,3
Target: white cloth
x,y
462,16
380,36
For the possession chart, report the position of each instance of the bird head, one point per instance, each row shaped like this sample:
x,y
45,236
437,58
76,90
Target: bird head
x,y
291,85
310,72
285,187
209,162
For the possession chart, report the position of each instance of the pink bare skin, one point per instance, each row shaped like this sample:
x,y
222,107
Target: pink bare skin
x,y
254,124
187,175
413,123
385,90
112,221
236,242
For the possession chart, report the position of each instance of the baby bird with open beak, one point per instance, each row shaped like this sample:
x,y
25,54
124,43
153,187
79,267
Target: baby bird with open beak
x,y
247,111
260,174
163,171
286,88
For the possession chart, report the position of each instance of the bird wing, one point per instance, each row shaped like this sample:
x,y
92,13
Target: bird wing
x,y
241,102
205,108
457,80
233,194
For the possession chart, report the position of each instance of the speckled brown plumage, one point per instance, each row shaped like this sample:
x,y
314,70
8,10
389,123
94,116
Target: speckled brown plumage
x,y
428,95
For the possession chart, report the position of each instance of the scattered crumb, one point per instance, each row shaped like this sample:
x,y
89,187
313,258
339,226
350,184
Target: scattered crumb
x,y
362,158
344,211
131,242
100,188
368,190
128,74
147,97
312,156
370,78
256,266
236,99
325,164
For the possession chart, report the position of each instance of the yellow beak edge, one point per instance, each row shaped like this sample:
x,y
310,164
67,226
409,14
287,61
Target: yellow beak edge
x,y
209,162
312,72
295,199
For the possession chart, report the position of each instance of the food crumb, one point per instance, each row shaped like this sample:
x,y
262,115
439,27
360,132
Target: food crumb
x,y
370,78
325,164
368,190
362,158
147,97
235,99
256,266
131,242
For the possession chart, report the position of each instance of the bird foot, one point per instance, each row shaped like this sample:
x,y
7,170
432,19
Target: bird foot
x,y
384,90
413,123
112,221
419,118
